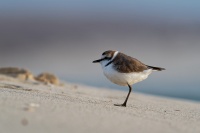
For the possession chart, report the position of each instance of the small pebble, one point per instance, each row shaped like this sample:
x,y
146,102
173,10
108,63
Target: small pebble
x,y
24,122
31,107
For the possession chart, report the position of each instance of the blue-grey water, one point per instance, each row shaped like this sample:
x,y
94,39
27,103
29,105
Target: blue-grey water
x,y
187,91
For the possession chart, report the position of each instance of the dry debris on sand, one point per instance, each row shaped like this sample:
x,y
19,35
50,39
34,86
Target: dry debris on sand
x,y
23,74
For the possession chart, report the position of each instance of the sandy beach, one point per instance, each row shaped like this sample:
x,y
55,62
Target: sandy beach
x,y
29,106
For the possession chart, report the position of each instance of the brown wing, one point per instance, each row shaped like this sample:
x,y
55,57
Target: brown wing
x,y
127,64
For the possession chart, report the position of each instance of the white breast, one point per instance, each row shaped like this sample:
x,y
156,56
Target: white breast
x,y
123,78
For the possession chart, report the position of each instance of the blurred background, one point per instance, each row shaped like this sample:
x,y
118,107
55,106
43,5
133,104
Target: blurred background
x,y
64,37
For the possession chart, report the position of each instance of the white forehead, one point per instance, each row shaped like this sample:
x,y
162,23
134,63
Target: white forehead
x,y
102,56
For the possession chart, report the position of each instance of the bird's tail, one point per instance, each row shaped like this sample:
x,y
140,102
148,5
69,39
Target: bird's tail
x,y
156,68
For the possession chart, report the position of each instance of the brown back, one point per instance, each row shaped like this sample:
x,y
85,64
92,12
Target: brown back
x,y
127,64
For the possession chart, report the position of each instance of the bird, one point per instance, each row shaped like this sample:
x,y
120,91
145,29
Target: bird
x,y
124,70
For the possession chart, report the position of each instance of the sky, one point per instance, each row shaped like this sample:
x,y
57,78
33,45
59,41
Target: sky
x,y
64,37
175,10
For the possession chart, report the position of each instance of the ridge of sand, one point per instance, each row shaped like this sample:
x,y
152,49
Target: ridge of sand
x,y
35,107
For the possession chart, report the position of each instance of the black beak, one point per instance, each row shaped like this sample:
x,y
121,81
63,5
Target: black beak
x,y
97,61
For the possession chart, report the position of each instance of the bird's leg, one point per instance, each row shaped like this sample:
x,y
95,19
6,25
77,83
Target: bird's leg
x,y
124,104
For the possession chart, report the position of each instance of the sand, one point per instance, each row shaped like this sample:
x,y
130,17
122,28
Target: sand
x,y
33,107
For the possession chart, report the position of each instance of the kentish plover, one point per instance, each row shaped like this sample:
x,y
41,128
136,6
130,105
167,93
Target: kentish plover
x,y
124,70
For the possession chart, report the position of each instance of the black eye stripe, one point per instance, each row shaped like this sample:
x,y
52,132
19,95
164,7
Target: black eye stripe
x,y
108,58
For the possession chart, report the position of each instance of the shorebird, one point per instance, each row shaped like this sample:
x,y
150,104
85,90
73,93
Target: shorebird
x,y
124,70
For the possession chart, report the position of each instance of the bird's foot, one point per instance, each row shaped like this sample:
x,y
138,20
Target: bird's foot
x,y
122,105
